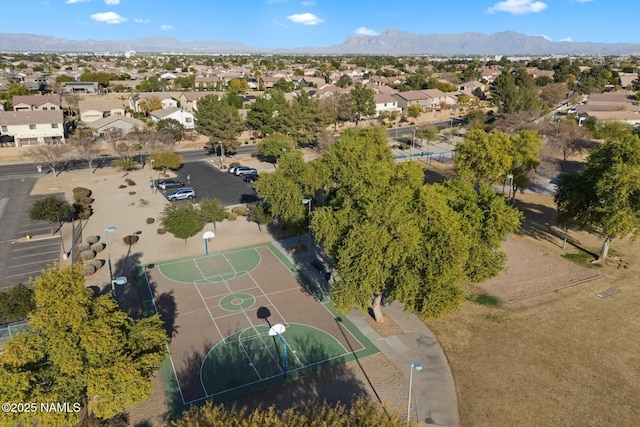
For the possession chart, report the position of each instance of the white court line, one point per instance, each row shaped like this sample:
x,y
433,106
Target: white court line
x,y
153,300
250,361
268,299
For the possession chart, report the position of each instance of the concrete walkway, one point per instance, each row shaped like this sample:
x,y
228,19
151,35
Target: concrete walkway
x,y
434,401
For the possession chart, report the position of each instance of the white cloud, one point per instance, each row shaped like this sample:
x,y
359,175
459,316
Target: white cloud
x,y
309,3
545,37
518,7
165,27
568,39
140,21
305,18
109,18
112,2
364,31
76,1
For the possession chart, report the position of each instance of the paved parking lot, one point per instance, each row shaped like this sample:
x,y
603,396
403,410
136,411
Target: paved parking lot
x,y
22,260
209,181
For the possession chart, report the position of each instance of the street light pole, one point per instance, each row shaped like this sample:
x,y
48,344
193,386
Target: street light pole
x,y
308,202
152,180
106,238
413,142
221,154
417,367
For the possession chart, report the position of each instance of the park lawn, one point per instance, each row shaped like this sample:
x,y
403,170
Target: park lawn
x,y
564,358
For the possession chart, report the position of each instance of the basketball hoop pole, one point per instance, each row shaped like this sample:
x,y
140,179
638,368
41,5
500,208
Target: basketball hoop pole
x,y
277,330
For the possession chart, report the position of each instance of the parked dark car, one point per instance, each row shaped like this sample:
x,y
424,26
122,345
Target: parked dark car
x,y
169,183
250,177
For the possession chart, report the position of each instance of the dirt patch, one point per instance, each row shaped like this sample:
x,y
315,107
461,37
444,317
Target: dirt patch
x,y
386,329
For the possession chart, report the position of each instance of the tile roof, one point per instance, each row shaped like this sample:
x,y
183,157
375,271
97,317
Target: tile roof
x,y
30,117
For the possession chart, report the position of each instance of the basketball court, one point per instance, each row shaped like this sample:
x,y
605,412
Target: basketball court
x,y
241,321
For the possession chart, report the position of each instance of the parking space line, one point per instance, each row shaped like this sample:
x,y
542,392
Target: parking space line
x,y
24,274
27,247
31,263
35,255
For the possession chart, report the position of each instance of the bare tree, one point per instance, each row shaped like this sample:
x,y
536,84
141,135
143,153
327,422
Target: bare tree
x,y
86,145
565,137
515,122
52,155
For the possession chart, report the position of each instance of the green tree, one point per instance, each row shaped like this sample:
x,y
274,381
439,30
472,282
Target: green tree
x,y
361,412
171,128
260,213
364,105
261,116
515,91
284,85
483,158
233,99
275,146
605,195
52,209
525,157
485,219
183,221
165,160
413,111
213,210
16,303
219,121
238,85
14,89
79,349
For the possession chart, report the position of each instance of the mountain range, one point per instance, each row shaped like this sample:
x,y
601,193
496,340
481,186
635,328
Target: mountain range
x,y
389,42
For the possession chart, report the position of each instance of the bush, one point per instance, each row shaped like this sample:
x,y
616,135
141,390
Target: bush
x,y
82,211
16,303
234,164
151,220
232,216
80,193
97,247
126,165
92,239
97,263
87,255
143,202
131,193
122,186
240,210
161,231
86,200
84,246
130,182
88,269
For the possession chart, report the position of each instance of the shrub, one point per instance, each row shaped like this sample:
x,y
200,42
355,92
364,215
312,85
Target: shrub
x,y
240,210
161,231
126,165
97,263
92,239
86,200
97,247
82,211
87,255
151,220
122,186
88,269
234,164
143,202
130,182
131,193
79,193
84,246
232,216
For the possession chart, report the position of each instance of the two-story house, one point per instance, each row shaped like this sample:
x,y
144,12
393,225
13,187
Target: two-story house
x,y
185,118
50,102
34,127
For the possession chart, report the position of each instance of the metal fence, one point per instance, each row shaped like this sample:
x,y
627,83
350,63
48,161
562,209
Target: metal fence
x,y
7,332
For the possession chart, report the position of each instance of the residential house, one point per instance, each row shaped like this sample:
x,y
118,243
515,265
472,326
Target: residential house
x,y
437,99
490,73
189,100
94,109
185,118
120,124
50,102
207,83
91,88
411,97
267,82
165,99
33,127
627,79
621,106
386,104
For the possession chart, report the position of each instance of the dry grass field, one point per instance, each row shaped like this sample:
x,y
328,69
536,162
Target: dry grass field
x,y
563,358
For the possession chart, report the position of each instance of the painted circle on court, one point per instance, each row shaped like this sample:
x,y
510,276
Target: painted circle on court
x,y
237,302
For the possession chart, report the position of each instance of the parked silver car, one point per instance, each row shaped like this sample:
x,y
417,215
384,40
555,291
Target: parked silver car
x,y
181,194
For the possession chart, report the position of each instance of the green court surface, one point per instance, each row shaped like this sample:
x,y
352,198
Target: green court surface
x,y
220,347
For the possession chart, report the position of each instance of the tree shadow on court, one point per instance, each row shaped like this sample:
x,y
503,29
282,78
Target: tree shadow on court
x,y
165,304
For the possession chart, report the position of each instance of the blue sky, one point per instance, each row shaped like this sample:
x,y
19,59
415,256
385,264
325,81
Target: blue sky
x,y
301,23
